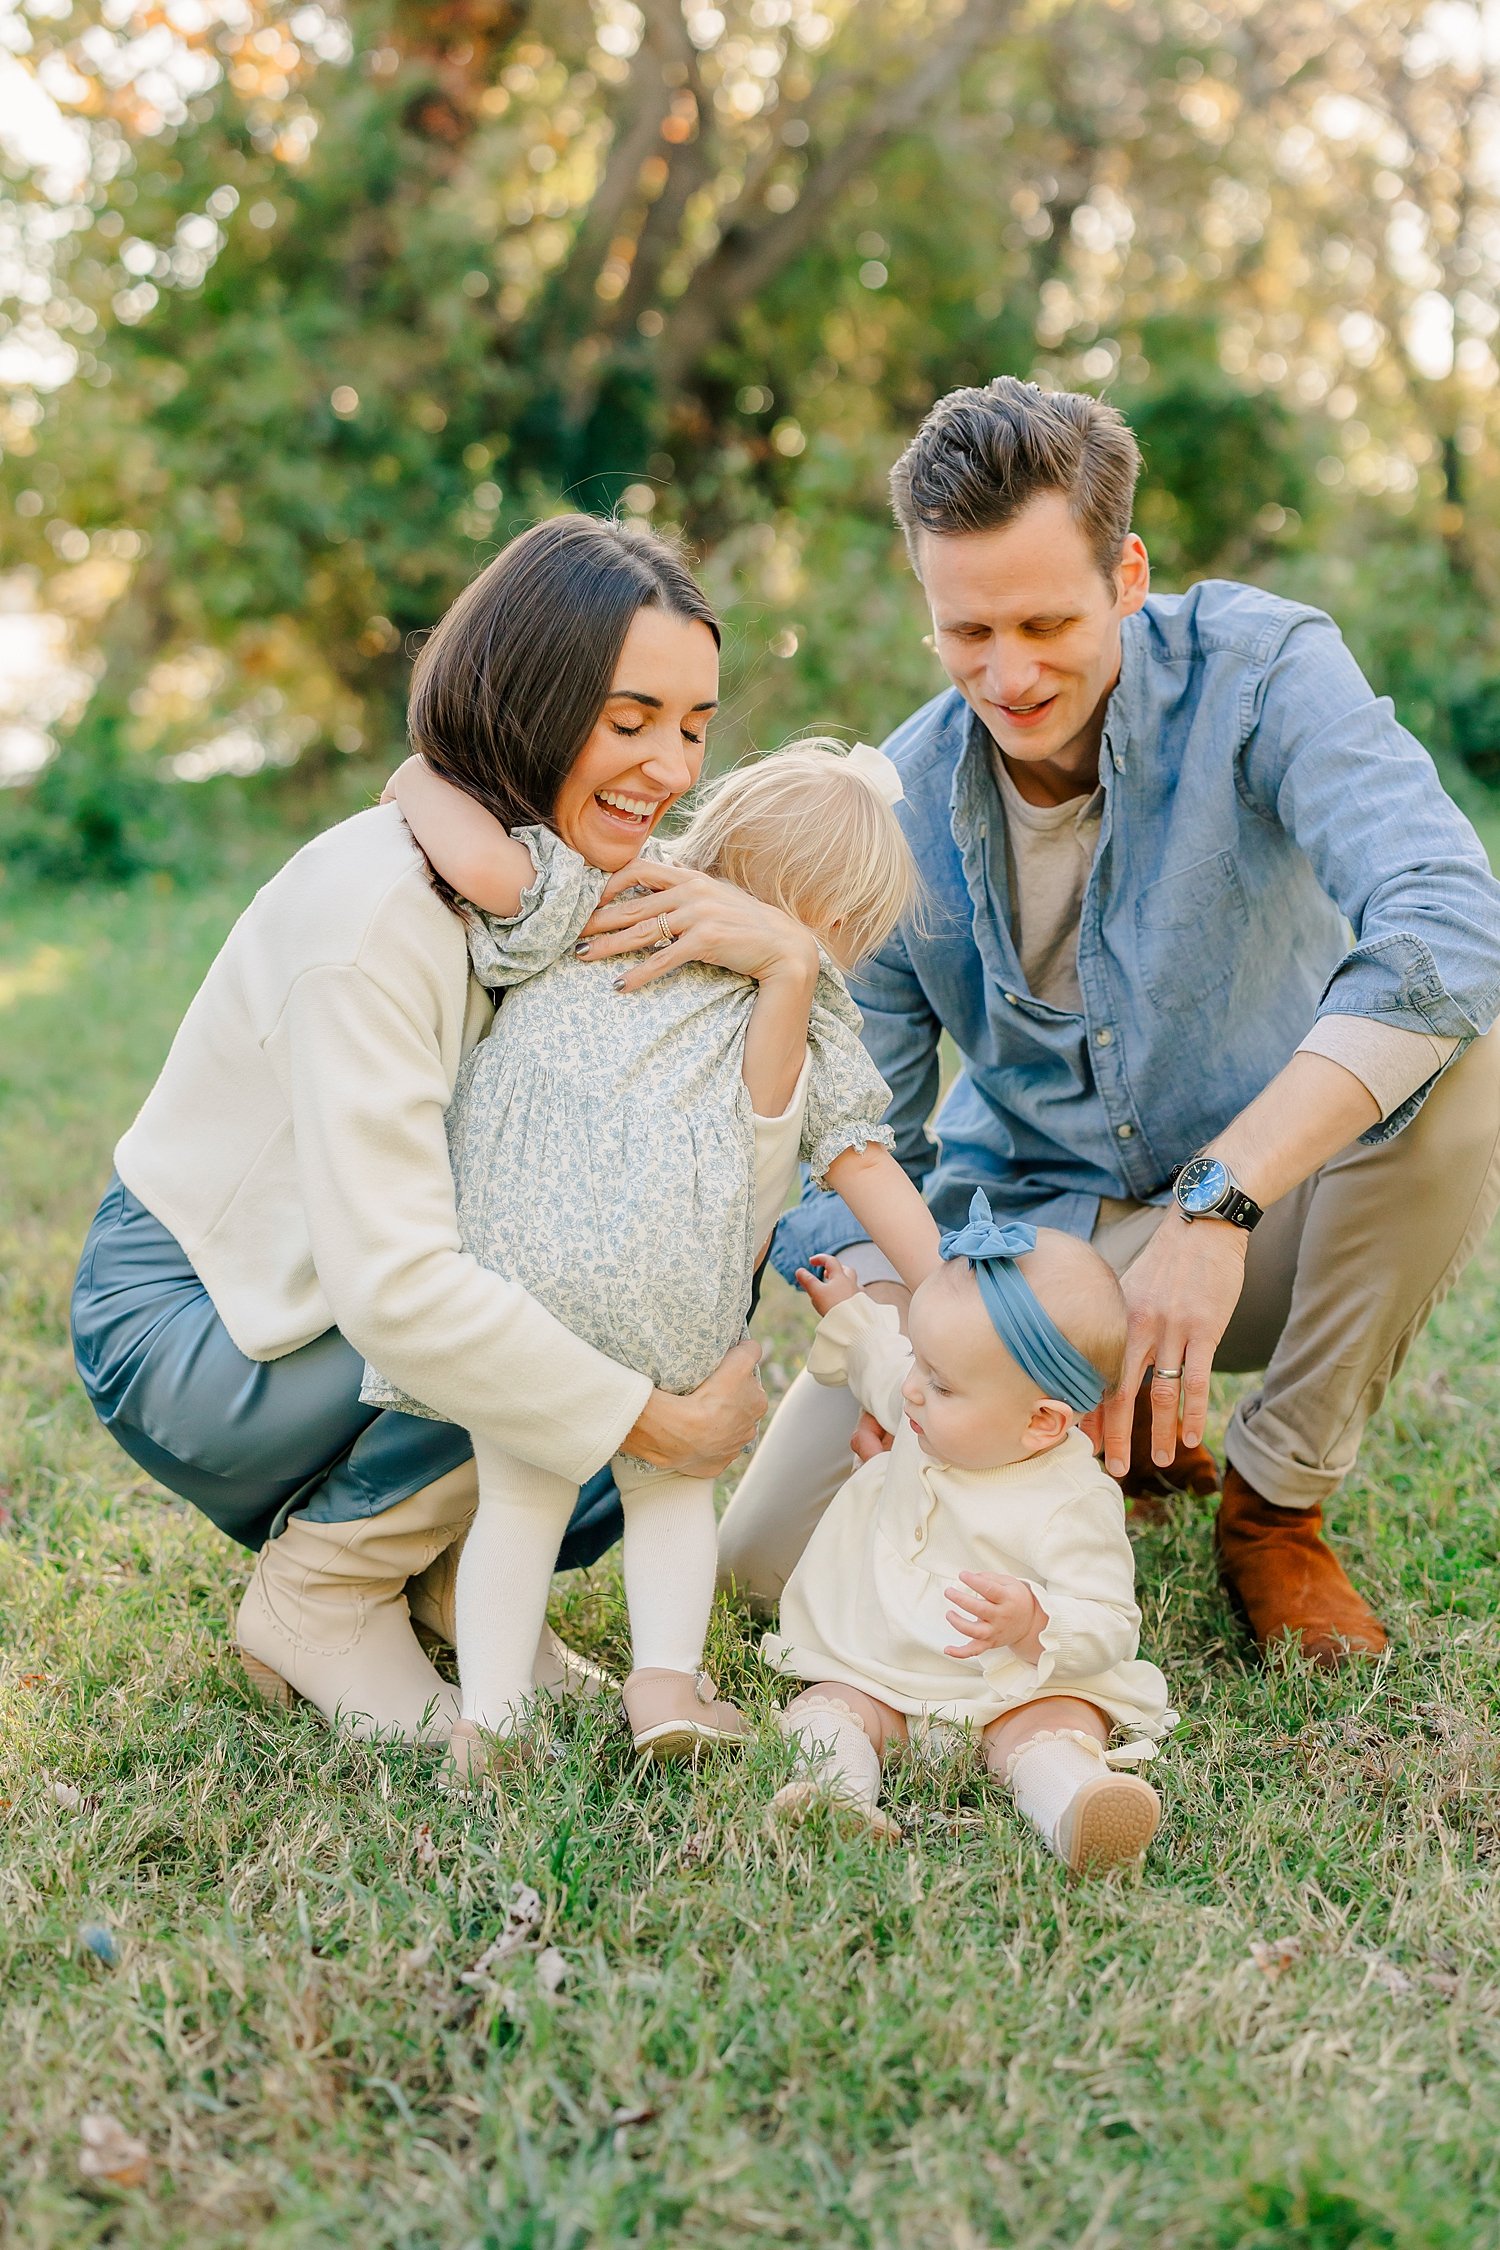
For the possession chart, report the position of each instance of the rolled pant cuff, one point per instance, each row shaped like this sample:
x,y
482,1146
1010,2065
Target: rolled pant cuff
x,y
1284,1483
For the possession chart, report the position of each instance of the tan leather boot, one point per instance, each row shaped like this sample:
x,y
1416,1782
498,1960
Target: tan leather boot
x,y
1287,1579
325,1616
558,1671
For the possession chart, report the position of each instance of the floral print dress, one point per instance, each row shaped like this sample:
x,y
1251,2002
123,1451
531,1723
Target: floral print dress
x,y
603,1142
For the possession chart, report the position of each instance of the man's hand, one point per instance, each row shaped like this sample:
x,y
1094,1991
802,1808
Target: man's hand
x,y
834,1283
995,1611
699,1435
1179,1296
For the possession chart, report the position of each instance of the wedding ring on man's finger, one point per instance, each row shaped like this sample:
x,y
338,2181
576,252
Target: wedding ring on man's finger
x,y
1166,1374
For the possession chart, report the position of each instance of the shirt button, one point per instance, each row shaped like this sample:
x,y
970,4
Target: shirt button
x,y
1119,763
1013,1001
1125,1132
1104,1038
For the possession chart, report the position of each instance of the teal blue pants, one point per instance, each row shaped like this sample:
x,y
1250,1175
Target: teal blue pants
x,y
252,1442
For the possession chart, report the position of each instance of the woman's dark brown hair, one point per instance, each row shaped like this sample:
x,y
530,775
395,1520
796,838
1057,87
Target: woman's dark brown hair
x,y
511,681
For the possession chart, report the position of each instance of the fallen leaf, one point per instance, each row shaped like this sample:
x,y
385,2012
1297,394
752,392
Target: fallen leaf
x,y
99,1940
1396,1981
1443,1982
639,2116
1275,1958
551,1969
522,1917
427,1851
694,1849
111,2154
67,1796
416,1958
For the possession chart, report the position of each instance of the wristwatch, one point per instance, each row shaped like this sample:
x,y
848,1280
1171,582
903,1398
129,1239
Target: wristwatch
x,y
1205,1188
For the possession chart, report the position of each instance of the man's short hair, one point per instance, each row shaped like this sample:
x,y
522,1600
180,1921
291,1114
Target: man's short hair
x,y
982,455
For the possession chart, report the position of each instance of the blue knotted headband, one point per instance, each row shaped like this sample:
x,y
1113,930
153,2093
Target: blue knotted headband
x,y
1024,1327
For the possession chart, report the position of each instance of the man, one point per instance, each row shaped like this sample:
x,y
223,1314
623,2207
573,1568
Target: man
x,y
1148,825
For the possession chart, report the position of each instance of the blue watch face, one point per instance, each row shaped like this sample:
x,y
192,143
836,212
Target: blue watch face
x,y
1202,1186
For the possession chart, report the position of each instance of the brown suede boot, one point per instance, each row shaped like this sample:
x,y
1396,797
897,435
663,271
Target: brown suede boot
x,y
1286,1579
1151,1489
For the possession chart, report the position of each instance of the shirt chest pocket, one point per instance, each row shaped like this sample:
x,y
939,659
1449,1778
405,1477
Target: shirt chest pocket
x,y
1190,927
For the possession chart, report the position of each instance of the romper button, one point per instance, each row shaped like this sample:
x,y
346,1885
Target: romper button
x,y
1104,1038
1125,1132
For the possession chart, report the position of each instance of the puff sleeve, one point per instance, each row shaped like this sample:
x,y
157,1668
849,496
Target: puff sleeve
x,y
846,1096
508,948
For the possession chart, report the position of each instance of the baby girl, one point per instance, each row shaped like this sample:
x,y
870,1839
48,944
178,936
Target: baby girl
x,y
988,1519
606,1155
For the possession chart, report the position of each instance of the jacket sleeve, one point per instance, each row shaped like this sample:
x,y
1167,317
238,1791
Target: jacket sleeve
x,y
1329,762
900,1035
860,1343
368,1090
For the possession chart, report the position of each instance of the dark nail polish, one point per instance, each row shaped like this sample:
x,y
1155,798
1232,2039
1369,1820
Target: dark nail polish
x,y
582,947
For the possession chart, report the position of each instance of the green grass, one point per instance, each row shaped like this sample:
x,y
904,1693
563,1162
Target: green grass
x,y
759,2042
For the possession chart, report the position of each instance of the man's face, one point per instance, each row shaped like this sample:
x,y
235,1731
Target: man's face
x,y
1028,627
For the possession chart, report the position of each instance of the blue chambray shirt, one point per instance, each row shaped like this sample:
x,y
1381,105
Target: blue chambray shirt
x,y
1260,803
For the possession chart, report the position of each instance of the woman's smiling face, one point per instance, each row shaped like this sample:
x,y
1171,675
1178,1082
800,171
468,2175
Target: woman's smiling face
x,y
647,747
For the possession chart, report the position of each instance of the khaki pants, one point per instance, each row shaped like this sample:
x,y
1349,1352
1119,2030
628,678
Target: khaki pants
x,y
1341,1275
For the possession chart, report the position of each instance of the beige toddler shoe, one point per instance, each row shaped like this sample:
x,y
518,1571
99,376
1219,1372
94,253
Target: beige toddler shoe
x,y
1108,1823
677,1714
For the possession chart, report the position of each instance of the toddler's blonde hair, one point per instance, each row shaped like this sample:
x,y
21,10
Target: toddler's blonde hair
x,y
802,831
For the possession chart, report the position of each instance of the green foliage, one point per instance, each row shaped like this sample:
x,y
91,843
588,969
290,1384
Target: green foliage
x,y
392,283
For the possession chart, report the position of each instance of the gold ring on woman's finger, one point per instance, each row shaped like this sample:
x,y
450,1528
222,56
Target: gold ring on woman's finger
x,y
667,933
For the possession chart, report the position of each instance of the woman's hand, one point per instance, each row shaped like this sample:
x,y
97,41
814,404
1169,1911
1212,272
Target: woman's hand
x,y
710,921
699,1435
994,1611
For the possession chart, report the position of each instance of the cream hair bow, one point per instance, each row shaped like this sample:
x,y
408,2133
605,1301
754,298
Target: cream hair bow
x,y
874,767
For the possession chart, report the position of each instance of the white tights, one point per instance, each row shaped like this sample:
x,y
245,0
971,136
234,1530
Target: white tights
x,y
500,1599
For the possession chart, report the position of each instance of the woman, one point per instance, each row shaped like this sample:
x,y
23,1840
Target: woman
x,y
283,1204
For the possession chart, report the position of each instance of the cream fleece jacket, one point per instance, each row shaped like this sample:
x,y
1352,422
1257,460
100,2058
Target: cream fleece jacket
x,y
294,1144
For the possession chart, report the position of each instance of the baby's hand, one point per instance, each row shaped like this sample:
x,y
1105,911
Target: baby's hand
x,y
833,1283
993,1610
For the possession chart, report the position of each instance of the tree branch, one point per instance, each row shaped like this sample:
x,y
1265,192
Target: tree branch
x,y
747,258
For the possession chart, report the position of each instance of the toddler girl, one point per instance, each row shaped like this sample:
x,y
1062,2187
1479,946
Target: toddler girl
x,y
604,1154
989,1518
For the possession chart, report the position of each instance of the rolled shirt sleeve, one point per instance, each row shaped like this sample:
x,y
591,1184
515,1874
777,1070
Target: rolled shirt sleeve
x,y
1392,1065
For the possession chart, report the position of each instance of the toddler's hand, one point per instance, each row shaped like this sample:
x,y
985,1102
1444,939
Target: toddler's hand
x,y
993,1610
833,1283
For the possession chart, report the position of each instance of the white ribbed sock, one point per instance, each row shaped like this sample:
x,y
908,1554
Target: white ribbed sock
x,y
1047,1774
843,1758
500,1595
668,1562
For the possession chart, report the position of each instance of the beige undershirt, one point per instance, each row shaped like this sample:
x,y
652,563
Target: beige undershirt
x,y
1049,852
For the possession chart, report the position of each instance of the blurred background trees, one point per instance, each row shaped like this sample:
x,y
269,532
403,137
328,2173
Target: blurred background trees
x,y
305,310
